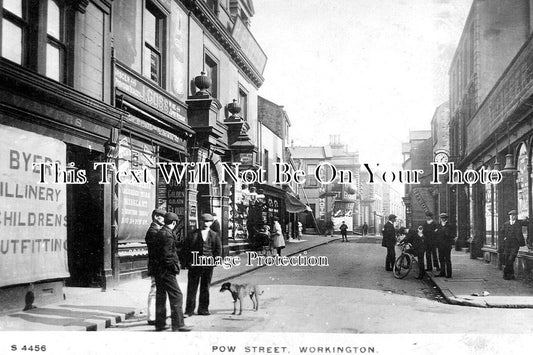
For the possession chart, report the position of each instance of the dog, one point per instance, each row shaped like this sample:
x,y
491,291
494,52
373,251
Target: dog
x,y
240,291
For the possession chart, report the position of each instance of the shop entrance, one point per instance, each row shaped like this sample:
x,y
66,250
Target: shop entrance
x,y
85,216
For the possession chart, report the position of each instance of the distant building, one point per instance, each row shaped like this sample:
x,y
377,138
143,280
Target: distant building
x,y
418,154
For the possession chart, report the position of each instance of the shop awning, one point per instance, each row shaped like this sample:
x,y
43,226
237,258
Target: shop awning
x,y
293,205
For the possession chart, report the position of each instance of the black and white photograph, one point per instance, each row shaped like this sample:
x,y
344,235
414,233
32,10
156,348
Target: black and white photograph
x,y
266,176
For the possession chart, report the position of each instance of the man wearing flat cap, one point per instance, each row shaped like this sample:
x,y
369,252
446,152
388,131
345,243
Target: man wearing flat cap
x,y
445,237
389,242
208,244
513,239
165,268
158,221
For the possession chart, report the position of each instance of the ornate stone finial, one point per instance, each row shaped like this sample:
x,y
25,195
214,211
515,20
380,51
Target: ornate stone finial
x,y
234,109
203,83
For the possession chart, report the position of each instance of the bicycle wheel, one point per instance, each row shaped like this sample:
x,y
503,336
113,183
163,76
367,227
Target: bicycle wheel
x,y
402,266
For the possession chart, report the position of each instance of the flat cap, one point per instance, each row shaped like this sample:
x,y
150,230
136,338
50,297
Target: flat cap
x,y
171,216
159,212
443,215
392,216
512,212
429,214
207,217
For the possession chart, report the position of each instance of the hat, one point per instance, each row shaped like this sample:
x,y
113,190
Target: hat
x,y
158,212
513,212
207,217
429,214
392,216
443,215
170,217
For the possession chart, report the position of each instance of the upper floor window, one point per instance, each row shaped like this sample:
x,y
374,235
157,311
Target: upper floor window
x,y
311,179
243,102
211,70
14,30
154,24
34,36
55,47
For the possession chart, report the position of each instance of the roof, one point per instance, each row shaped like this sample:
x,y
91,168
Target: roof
x,y
307,152
419,135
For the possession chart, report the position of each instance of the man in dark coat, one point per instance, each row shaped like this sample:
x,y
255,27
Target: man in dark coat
x,y
445,237
165,267
428,230
158,221
389,242
513,239
208,244
344,231
365,229
215,226
416,239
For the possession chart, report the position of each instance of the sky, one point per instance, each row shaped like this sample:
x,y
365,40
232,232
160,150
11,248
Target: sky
x,y
369,70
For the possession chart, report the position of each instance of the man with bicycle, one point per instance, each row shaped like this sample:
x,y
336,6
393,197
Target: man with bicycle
x,y
415,238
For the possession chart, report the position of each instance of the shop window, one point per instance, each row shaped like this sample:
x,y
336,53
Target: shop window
x,y
522,184
55,47
211,70
243,102
14,30
154,24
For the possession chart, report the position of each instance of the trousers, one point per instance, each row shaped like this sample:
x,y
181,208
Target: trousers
x,y
510,251
390,258
432,258
445,255
166,284
198,275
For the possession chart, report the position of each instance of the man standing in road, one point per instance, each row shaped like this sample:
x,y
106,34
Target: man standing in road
x,y
428,230
445,237
208,244
389,241
166,267
344,229
365,229
158,221
513,239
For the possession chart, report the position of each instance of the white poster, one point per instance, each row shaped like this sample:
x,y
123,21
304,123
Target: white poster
x,y
33,216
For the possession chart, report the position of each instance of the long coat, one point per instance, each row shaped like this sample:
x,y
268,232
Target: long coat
x,y
150,238
428,230
445,235
165,257
512,233
415,240
194,242
389,235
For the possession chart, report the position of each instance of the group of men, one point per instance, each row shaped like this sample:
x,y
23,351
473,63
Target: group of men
x,y
166,252
435,240
432,240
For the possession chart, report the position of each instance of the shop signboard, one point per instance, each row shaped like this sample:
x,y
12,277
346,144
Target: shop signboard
x,y
136,201
33,216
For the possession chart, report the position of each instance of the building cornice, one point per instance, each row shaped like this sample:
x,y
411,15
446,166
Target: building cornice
x,y
209,20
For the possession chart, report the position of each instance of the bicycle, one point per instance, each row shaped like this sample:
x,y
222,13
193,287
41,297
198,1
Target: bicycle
x,y
405,262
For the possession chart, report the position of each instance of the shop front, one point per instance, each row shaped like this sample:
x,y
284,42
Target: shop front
x,y
153,133
54,232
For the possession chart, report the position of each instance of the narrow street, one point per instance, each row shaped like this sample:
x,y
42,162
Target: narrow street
x,y
354,294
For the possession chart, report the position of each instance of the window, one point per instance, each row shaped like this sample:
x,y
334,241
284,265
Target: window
x,y
55,48
243,102
153,43
14,30
211,70
33,35
311,179
265,162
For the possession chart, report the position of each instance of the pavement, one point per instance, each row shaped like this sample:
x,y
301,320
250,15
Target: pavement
x,y
92,309
474,283
477,283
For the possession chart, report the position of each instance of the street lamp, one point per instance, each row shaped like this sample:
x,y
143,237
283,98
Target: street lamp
x,y
509,159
